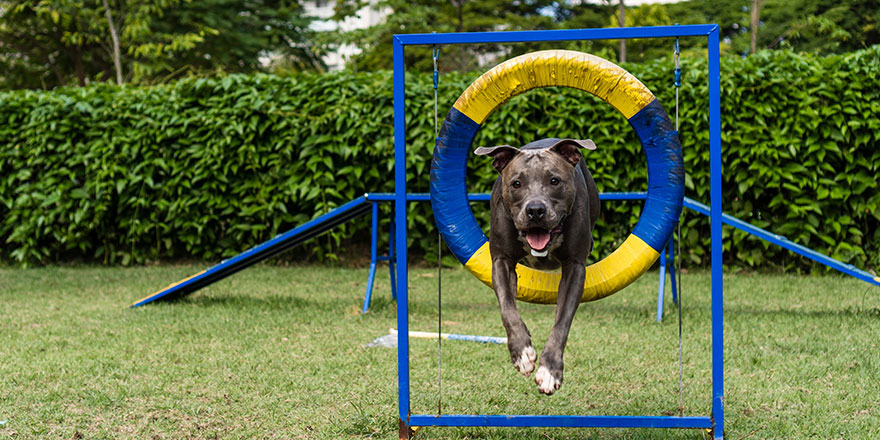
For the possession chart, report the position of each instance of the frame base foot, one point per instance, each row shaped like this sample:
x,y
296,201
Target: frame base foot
x,y
406,432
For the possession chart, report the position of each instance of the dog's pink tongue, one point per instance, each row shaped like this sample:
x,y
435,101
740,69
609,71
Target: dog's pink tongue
x,y
538,239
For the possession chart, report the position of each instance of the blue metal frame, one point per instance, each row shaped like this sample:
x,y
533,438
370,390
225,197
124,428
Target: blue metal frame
x,y
715,234
563,421
716,422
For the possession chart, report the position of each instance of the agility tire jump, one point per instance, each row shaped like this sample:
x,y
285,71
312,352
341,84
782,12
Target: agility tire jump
x,y
609,82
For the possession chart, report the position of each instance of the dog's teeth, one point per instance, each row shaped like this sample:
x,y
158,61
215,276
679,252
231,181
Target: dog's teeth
x,y
539,254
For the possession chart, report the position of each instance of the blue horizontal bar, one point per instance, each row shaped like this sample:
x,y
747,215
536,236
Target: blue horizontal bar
x,y
562,421
781,241
691,30
484,197
639,195
419,197
692,204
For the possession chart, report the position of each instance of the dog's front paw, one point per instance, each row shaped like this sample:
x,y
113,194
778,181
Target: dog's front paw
x,y
548,382
525,362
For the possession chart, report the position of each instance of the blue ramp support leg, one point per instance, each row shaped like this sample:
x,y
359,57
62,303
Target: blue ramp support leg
x,y
391,260
375,258
666,266
662,285
374,232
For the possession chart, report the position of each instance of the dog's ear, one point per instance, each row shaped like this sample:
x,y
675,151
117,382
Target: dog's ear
x,y
501,153
570,149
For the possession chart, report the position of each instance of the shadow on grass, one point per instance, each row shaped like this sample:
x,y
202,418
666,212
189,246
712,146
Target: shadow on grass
x,y
849,311
382,304
273,302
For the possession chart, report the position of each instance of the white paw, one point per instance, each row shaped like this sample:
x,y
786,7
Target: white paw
x,y
526,362
547,384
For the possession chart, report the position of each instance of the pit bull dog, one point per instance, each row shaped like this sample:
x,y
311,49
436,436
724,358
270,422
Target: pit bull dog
x,y
544,205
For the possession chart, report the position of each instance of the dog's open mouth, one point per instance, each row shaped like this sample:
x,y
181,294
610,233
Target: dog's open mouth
x,y
539,239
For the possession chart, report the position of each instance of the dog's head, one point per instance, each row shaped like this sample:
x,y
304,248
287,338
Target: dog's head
x,y
538,185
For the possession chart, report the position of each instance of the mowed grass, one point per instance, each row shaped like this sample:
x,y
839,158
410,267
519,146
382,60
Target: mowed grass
x,y
278,353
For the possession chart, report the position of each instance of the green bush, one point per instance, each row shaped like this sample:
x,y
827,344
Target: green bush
x,y
205,168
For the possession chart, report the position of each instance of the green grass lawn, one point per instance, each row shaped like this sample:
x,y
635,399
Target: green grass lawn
x,y
279,353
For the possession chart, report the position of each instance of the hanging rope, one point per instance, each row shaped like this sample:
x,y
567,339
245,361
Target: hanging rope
x,y
435,54
676,57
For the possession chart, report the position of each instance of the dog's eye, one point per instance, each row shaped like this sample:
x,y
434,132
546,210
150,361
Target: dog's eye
x,y
554,181
516,184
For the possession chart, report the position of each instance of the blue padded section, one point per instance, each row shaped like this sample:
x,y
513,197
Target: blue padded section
x,y
449,199
665,175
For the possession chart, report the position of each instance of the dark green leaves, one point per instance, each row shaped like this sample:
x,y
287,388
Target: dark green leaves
x,y
206,168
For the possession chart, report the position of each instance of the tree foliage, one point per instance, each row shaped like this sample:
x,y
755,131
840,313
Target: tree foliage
x,y
205,168
50,43
803,25
426,16
645,49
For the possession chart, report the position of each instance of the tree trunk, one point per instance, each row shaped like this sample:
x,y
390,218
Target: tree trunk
x,y
756,19
621,20
459,27
117,56
78,66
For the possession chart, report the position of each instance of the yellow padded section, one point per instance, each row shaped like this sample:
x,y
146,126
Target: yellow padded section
x,y
627,263
549,68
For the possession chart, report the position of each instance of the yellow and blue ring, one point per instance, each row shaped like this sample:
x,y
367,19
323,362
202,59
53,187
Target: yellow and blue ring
x,y
610,83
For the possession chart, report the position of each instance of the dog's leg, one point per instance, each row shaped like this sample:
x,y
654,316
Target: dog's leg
x,y
519,341
571,288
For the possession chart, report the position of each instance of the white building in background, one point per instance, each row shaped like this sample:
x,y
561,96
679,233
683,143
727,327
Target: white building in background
x,y
372,15
323,10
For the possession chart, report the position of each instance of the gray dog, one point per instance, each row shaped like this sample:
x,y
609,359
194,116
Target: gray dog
x,y
544,205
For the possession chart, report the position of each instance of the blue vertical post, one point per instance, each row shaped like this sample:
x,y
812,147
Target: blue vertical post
x,y
374,232
662,285
717,248
391,259
400,221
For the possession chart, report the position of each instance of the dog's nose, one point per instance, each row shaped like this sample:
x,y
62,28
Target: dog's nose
x,y
536,211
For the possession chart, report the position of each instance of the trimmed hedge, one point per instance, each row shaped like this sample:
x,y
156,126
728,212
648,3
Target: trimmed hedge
x,y
204,168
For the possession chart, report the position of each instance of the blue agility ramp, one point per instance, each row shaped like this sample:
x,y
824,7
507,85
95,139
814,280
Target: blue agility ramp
x,y
275,246
785,243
